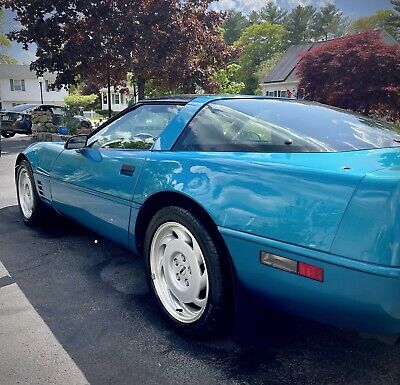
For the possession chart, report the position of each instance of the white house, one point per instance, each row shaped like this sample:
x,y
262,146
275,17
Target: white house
x,y
282,81
20,85
119,100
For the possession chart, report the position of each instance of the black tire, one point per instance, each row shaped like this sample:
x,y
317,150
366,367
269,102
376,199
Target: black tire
x,y
38,209
217,306
5,134
86,125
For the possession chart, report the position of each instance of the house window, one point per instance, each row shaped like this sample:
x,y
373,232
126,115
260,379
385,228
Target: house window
x,y
283,94
49,86
17,85
105,100
115,98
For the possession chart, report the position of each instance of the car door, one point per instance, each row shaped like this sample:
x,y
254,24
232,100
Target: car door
x,y
95,185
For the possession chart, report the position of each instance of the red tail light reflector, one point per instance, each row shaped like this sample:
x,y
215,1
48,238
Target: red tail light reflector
x,y
310,271
292,266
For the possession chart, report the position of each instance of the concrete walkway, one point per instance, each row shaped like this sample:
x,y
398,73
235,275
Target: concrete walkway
x,y
29,351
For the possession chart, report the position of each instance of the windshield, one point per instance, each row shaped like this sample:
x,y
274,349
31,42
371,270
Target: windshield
x,y
268,125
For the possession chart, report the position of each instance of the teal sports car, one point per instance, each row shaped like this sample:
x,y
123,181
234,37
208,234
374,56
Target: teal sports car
x,y
297,202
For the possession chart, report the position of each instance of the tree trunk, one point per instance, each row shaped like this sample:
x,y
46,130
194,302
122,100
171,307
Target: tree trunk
x,y
141,83
109,94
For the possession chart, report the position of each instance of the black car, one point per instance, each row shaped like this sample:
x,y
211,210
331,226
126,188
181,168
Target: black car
x,y
18,119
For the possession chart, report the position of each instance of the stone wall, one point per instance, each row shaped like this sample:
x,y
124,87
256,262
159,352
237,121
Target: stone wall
x,y
42,122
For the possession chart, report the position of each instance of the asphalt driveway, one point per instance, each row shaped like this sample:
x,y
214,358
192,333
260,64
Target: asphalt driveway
x,y
75,309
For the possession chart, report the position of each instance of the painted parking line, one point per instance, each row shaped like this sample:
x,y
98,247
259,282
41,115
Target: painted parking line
x,y
29,351
3,271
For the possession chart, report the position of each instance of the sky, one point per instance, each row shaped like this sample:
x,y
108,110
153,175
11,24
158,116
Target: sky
x,y
350,8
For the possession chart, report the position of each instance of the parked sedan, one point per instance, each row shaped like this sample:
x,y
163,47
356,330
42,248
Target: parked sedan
x,y
18,119
298,202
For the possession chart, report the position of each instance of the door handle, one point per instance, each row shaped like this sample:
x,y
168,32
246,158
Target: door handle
x,y
127,169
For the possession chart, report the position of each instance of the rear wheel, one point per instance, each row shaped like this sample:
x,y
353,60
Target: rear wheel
x,y
29,202
185,272
6,134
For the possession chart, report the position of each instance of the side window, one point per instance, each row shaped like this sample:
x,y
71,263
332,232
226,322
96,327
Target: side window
x,y
219,127
137,129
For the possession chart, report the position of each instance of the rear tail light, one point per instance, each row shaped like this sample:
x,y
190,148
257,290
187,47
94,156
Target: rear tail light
x,y
310,271
292,266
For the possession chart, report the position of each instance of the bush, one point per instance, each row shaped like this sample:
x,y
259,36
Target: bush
x,y
72,124
75,101
104,113
357,72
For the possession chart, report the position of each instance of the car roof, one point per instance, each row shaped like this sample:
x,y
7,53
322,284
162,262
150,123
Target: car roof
x,y
186,98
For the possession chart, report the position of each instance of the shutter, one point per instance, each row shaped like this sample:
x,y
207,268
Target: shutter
x,y
22,85
12,84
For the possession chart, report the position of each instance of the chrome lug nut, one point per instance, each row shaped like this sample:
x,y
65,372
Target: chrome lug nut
x,y
186,282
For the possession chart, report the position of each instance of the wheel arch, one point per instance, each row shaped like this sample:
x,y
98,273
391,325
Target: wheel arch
x,y
163,199
168,198
19,159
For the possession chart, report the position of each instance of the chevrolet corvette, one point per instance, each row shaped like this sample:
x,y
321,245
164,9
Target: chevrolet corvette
x,y
297,201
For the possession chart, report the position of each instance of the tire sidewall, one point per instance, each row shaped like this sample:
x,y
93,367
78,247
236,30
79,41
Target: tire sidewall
x,y
209,321
24,165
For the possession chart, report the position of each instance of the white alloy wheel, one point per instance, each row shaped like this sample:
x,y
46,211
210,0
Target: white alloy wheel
x,y
25,193
179,272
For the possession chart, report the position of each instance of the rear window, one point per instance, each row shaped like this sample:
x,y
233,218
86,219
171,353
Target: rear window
x,y
267,125
23,107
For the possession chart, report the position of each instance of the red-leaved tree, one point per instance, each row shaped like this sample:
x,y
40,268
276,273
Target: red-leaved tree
x,y
358,72
176,44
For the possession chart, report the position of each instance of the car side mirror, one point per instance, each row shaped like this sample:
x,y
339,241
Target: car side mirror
x,y
77,142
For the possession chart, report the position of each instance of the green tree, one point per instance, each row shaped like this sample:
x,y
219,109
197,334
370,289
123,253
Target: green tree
x,y
271,13
233,26
381,19
395,18
297,24
259,42
328,22
227,80
267,66
76,100
5,43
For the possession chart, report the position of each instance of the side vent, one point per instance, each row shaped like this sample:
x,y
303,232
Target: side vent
x,y
40,190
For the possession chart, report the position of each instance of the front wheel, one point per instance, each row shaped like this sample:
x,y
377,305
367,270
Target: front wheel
x,y
185,272
29,202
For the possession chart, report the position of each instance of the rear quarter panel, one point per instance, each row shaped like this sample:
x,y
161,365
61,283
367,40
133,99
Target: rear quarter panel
x,y
263,194
370,229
